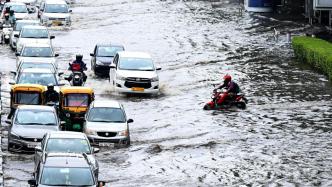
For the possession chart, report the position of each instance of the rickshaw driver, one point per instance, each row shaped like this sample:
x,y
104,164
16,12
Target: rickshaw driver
x,y
51,95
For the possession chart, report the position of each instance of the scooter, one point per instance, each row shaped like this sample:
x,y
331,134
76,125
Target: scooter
x,y
77,77
240,101
5,35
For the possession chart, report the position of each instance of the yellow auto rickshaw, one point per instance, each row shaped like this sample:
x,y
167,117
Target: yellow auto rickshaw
x,y
26,94
73,104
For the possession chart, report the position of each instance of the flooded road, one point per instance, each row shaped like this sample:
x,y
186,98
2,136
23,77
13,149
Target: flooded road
x,y
282,138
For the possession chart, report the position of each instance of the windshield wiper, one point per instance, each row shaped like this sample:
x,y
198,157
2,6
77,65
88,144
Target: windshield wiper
x,y
30,123
48,124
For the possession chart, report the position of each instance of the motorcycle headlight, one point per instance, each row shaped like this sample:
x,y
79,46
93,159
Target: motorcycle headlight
x,y
119,77
123,133
67,115
155,79
99,63
76,76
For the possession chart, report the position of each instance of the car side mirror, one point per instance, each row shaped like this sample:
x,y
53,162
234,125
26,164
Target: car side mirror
x,y
17,54
130,120
56,55
158,68
91,54
13,72
60,73
8,121
96,150
12,82
16,35
30,11
70,11
32,182
38,149
112,66
52,37
101,183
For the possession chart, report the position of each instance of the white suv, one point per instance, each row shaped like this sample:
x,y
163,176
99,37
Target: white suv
x,y
134,72
54,12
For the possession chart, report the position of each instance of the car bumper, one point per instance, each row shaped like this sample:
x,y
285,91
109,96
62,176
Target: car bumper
x,y
57,23
19,145
97,140
121,87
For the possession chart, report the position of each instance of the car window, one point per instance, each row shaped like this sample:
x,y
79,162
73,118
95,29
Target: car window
x,y
34,33
136,64
73,145
106,114
31,98
108,51
35,117
61,176
26,65
77,100
19,25
37,78
18,8
56,8
37,52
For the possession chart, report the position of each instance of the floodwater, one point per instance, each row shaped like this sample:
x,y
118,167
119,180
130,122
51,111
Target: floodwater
x,y
283,138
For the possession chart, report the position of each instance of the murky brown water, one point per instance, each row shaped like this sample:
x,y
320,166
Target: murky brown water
x,y
282,138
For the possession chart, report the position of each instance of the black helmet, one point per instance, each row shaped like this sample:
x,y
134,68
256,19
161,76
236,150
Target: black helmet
x,y
50,86
79,57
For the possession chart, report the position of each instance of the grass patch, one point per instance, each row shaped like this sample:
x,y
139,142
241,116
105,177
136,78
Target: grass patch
x,y
314,51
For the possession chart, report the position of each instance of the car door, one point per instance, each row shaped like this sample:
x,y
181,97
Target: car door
x,y
113,70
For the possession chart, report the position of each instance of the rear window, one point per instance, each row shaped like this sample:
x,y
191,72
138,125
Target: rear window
x,y
31,98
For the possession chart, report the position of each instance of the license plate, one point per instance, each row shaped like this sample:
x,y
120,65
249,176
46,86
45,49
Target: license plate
x,y
106,144
56,23
137,89
32,145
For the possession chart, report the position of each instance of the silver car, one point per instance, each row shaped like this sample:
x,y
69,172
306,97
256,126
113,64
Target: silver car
x,y
106,123
28,126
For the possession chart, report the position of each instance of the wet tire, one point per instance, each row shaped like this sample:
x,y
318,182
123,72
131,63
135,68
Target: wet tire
x,y
241,105
207,107
6,41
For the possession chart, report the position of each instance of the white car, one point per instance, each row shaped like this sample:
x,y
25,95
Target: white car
x,y
20,9
31,4
17,28
54,12
37,52
134,72
106,123
33,34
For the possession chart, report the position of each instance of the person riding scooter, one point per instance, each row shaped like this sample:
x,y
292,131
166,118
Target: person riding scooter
x,y
12,17
6,21
51,95
78,65
232,89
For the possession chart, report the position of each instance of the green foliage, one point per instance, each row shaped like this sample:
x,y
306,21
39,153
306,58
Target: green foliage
x,y
314,51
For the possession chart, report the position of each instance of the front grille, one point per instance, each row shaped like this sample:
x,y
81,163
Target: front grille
x,y
107,134
137,79
58,19
31,139
138,82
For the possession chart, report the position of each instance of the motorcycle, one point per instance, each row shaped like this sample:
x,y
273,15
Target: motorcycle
x,y
77,77
240,101
6,31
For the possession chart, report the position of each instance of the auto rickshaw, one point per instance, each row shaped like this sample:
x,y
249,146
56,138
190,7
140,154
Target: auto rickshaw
x,y
26,94
74,102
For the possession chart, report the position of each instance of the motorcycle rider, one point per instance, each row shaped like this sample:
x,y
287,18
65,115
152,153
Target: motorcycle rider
x,y
5,23
78,65
232,89
51,95
12,17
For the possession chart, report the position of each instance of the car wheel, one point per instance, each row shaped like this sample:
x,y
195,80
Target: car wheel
x,y
9,148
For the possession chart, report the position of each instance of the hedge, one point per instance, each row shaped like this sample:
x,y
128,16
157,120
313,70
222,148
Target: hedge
x,y
314,51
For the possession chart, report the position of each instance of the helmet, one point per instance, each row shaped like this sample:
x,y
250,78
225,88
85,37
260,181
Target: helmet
x,y
79,57
227,78
50,86
11,12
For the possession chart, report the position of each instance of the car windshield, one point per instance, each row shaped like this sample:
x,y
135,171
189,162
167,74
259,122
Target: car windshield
x,y
106,114
31,98
108,51
37,78
37,52
56,8
72,145
19,25
35,117
54,176
79,100
26,65
136,64
19,8
34,33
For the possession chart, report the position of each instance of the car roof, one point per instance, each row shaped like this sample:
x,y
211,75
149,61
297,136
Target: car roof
x,y
55,2
133,54
34,27
106,103
27,21
67,134
37,70
66,160
37,45
13,3
35,107
109,45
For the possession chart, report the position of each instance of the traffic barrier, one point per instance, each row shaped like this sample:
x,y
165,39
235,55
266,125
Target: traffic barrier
x,y
314,51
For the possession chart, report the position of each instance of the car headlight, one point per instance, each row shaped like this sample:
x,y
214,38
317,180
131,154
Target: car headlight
x,y
155,79
14,136
123,133
119,77
90,132
99,63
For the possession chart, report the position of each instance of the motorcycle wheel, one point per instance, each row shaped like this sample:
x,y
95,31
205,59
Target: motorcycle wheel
x,y
241,105
207,107
6,41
